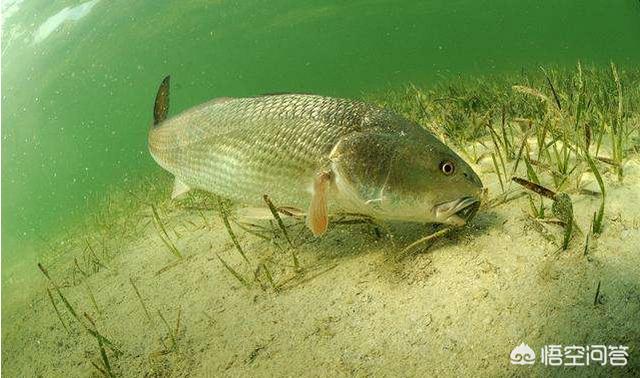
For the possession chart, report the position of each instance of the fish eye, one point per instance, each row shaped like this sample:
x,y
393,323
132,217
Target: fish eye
x,y
447,167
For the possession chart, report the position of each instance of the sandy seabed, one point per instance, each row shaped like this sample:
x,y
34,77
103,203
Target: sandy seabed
x,y
456,309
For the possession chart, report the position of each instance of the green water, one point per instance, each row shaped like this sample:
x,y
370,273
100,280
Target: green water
x,y
77,95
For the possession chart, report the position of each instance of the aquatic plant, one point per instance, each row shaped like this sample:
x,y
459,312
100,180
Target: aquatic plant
x,y
596,298
91,331
558,122
144,306
171,333
92,298
408,250
55,308
269,276
599,214
277,217
103,353
90,257
90,328
233,272
164,236
225,220
562,207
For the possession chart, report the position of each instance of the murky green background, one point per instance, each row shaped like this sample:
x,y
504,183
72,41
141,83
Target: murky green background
x,y
79,78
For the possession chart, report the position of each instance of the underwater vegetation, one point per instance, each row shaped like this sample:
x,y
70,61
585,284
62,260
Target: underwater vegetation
x,y
563,126
546,135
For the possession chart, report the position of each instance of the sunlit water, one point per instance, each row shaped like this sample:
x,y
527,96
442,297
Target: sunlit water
x,y
78,78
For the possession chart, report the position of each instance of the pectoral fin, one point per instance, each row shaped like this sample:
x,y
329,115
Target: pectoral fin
x,y
179,189
318,217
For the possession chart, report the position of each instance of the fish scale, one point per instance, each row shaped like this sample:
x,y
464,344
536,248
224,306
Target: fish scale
x,y
244,148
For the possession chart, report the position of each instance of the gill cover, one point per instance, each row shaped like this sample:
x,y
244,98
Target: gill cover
x,y
397,176
362,164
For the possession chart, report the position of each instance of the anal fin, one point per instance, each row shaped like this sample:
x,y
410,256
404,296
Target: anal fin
x,y
179,189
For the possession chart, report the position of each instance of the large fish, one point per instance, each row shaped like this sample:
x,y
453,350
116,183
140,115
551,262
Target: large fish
x,y
320,155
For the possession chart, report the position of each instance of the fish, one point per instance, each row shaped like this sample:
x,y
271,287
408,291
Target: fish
x,y
316,155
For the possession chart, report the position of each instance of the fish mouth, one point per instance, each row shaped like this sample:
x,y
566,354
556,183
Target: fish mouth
x,y
457,212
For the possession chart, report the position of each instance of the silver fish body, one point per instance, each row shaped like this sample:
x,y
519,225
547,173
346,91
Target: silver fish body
x,y
246,147
243,148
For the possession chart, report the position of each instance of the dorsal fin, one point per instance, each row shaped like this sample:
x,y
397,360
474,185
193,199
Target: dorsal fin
x,y
161,105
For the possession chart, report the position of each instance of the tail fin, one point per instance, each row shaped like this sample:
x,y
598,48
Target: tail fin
x,y
161,105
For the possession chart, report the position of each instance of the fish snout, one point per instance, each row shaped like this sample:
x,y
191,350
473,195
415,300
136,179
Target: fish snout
x,y
472,209
475,184
472,177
